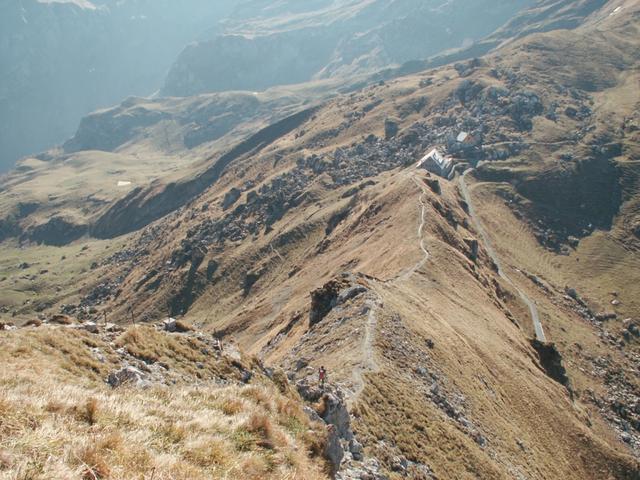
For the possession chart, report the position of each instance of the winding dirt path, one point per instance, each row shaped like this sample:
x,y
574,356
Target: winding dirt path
x,y
516,142
373,303
533,310
369,363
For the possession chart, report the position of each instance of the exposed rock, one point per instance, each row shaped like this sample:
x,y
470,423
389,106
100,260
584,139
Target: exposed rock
x,y
212,268
112,328
349,293
91,327
390,128
551,361
334,412
300,364
127,376
472,243
333,450
356,449
309,393
170,325
250,280
312,414
369,469
604,316
324,299
434,185
230,198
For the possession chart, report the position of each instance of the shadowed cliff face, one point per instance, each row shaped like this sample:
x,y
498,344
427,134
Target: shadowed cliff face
x,y
264,46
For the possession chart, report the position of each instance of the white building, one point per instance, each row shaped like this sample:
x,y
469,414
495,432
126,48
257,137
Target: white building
x,y
435,163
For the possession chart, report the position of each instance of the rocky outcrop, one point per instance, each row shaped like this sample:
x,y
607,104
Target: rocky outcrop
x,y
127,376
333,410
108,129
344,452
390,128
230,198
551,361
324,299
57,231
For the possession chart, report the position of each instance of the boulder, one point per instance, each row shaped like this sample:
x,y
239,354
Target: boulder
x,y
230,198
335,413
399,464
349,293
127,376
170,325
112,327
390,128
333,450
604,316
356,449
91,327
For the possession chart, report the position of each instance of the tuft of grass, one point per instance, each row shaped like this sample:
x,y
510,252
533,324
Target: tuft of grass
x,y
231,406
260,396
61,319
243,440
54,406
209,453
183,327
172,433
92,462
254,468
6,460
260,425
321,406
90,411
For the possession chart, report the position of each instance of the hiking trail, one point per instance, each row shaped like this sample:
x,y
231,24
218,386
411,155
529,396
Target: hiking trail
x,y
369,363
533,310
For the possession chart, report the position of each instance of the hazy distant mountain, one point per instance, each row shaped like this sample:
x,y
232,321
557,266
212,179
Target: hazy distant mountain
x,y
272,43
61,60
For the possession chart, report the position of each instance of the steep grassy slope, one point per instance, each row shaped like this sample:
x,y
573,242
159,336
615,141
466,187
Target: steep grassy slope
x,y
60,420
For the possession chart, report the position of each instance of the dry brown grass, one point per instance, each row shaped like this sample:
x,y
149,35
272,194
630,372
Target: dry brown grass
x,y
93,464
231,406
175,352
72,426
